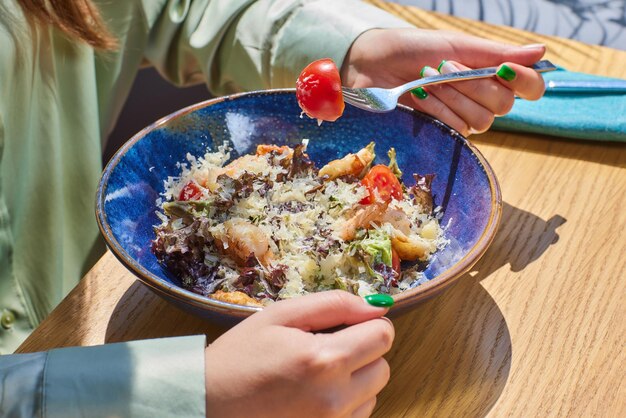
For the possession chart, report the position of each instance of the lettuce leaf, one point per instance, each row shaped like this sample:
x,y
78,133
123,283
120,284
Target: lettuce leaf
x,y
376,248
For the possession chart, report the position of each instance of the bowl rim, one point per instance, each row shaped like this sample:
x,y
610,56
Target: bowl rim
x,y
410,296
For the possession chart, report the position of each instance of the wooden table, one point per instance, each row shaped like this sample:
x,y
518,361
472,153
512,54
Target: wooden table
x,y
536,329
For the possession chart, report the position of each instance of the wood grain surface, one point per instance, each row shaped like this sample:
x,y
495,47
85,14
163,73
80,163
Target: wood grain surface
x,y
536,329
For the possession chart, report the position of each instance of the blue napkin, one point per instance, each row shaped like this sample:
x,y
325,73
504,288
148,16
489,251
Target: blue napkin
x,y
600,117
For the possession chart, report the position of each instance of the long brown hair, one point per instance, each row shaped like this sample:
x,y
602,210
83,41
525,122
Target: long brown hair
x,y
79,19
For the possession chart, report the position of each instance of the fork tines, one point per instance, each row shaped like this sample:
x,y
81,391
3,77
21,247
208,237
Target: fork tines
x,y
353,97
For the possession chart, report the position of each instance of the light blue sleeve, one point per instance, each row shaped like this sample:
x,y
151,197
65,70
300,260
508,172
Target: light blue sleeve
x,y
21,378
150,378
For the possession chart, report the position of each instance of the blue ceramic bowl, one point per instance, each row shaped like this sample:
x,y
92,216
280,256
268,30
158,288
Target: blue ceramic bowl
x,y
464,185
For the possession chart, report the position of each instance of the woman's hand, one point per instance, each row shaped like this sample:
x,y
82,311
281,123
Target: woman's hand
x,y
274,364
391,57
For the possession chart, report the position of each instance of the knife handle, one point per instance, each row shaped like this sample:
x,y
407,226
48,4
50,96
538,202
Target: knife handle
x,y
591,86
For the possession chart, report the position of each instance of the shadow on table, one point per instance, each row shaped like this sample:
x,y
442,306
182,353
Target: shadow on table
x,y
602,152
141,314
452,354
521,239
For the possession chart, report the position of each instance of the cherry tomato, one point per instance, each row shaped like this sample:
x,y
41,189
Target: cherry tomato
x,y
395,261
191,191
381,179
318,90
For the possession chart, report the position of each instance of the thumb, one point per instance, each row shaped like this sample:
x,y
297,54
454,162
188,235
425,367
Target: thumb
x,y
322,310
478,52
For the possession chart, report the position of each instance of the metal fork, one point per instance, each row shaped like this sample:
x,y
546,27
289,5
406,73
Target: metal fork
x,y
380,100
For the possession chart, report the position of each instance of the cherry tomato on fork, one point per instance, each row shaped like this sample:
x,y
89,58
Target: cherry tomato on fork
x,y
318,90
381,179
191,191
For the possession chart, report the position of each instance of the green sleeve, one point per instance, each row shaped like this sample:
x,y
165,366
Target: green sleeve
x,y
246,45
151,378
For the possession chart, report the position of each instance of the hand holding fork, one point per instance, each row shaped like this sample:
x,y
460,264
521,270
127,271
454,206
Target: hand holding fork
x,y
392,57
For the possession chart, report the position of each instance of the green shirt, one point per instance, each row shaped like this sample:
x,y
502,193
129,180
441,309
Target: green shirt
x,y
60,99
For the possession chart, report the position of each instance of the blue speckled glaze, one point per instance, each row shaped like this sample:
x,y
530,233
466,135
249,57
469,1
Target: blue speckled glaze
x,y
464,185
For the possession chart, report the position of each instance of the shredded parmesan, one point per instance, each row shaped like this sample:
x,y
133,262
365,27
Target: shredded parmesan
x,y
299,217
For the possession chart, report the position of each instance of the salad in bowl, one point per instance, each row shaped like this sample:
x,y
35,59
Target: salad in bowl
x,y
141,189
271,225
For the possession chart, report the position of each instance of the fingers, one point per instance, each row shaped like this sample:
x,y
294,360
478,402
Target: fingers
x,y
368,381
488,92
454,108
478,52
319,311
525,82
470,106
362,343
365,410
477,117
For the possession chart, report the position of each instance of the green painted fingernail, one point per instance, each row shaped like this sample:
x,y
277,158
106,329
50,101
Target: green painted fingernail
x,y
380,300
441,65
505,72
420,93
426,67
